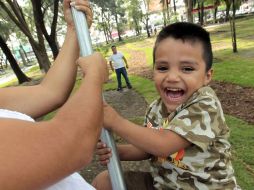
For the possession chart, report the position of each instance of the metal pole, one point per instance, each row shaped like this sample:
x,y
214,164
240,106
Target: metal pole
x,y
85,45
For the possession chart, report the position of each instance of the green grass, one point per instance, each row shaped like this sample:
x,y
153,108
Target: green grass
x,y
242,141
237,67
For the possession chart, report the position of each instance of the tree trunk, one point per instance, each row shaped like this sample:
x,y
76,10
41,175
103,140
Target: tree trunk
x,y
188,6
232,25
118,29
41,55
174,6
202,14
23,57
38,16
228,5
25,54
168,18
14,65
147,29
215,15
38,47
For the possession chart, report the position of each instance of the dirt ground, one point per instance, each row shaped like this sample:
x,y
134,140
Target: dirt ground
x,y
236,101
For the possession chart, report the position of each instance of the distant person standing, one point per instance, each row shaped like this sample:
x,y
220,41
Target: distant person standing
x,y
117,63
155,30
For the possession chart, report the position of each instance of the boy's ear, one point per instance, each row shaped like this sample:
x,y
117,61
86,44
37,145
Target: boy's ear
x,y
209,75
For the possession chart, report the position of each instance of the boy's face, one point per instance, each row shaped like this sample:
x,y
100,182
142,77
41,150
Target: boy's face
x,y
179,71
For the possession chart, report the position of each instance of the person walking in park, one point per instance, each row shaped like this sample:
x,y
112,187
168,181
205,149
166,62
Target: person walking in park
x,y
185,134
45,155
117,63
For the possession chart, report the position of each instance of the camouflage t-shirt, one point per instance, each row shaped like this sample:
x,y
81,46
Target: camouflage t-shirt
x,y
206,163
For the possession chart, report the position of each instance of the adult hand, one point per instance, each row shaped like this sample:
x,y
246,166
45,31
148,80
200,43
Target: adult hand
x,y
103,152
111,117
81,5
94,64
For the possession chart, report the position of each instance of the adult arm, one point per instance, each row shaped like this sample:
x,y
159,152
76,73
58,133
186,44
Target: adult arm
x,y
56,86
36,155
126,63
111,66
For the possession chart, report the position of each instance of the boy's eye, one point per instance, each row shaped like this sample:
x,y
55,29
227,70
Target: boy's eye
x,y
162,68
187,69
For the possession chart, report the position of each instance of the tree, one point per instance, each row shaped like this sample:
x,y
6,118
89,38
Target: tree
x,y
189,7
165,11
39,9
135,13
14,65
15,13
145,16
232,27
118,9
103,16
5,32
216,4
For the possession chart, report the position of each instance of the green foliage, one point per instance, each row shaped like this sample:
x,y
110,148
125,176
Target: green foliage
x,y
135,14
103,50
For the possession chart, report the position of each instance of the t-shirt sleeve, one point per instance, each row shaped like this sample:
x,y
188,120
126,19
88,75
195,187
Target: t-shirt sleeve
x,y
110,58
200,122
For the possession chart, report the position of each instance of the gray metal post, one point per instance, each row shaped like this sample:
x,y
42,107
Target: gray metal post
x,y
85,45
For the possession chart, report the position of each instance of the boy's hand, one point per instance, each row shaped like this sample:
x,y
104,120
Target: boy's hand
x,y
94,64
81,5
103,152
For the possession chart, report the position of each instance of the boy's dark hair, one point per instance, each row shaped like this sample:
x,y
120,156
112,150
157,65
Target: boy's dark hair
x,y
113,46
187,32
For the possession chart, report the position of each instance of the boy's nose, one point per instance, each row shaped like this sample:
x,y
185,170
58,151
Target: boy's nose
x,y
172,76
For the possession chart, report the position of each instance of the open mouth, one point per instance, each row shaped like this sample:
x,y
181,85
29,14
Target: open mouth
x,y
174,94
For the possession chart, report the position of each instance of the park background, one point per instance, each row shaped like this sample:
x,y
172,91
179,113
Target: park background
x,y
31,37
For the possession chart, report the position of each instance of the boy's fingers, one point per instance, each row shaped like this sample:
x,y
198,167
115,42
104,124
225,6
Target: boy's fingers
x,y
103,151
104,163
101,145
105,157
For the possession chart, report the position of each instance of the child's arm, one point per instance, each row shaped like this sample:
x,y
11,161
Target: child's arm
x,y
156,142
58,82
126,152
129,152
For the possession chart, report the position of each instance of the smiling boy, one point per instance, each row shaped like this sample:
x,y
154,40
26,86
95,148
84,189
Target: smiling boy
x,y
191,149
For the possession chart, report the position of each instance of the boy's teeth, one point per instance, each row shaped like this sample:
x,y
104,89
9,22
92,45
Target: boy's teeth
x,y
173,89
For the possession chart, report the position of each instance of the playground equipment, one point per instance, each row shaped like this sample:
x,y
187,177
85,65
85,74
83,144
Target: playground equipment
x,y
85,45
